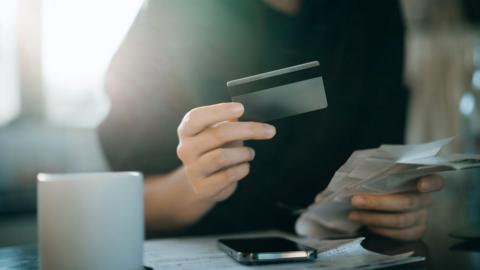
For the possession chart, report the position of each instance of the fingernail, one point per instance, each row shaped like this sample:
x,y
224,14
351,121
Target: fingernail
x,y
358,201
354,216
270,130
252,152
425,186
237,108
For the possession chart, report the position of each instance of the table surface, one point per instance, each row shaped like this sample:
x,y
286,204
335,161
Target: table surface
x,y
21,258
451,254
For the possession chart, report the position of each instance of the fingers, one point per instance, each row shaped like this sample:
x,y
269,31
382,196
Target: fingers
x,y
219,158
430,183
225,193
402,216
211,148
200,118
402,220
231,131
391,202
215,183
409,234
193,147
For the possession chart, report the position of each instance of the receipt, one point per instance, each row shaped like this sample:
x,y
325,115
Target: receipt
x,y
384,170
352,255
202,253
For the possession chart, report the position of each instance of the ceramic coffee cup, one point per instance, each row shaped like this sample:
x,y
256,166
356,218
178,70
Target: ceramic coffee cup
x,y
90,220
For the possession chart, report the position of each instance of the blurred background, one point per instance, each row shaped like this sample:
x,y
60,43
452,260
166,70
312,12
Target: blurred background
x,y
54,53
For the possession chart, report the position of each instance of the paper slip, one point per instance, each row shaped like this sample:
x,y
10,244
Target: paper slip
x,y
351,255
384,170
202,253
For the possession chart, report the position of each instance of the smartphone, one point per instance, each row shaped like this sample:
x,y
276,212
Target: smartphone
x,y
266,250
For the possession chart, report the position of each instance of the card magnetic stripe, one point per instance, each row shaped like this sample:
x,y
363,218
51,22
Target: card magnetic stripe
x,y
274,81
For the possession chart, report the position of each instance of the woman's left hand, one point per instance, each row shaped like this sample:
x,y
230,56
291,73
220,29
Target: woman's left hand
x,y
401,216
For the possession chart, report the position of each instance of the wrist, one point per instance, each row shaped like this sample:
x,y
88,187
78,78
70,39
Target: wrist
x,y
190,199
171,203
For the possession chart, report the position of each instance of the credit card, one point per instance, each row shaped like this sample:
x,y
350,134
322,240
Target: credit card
x,y
280,93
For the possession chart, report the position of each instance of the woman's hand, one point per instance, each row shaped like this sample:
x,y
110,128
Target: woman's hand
x,y
211,148
400,216
214,160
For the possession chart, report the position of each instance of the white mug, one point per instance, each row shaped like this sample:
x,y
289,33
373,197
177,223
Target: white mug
x,y
90,221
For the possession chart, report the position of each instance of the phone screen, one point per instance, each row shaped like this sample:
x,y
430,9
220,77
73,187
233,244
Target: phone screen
x,y
262,245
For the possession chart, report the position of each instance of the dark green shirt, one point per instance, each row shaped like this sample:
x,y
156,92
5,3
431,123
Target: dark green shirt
x,y
179,55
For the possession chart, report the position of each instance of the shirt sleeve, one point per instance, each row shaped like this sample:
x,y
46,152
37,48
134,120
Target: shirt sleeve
x,y
147,104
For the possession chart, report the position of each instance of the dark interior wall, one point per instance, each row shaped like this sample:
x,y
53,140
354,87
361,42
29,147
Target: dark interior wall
x,y
472,10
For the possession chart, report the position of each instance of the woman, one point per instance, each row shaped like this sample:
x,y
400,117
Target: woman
x,y
167,88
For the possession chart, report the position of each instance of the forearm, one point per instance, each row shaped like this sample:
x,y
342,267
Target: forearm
x,y
171,204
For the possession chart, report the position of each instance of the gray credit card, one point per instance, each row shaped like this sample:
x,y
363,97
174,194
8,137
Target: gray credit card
x,y
280,93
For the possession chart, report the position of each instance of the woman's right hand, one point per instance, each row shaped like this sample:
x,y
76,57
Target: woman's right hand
x,y
211,149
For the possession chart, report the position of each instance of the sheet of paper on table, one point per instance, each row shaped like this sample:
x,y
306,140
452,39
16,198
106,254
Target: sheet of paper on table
x,y
202,253
384,170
